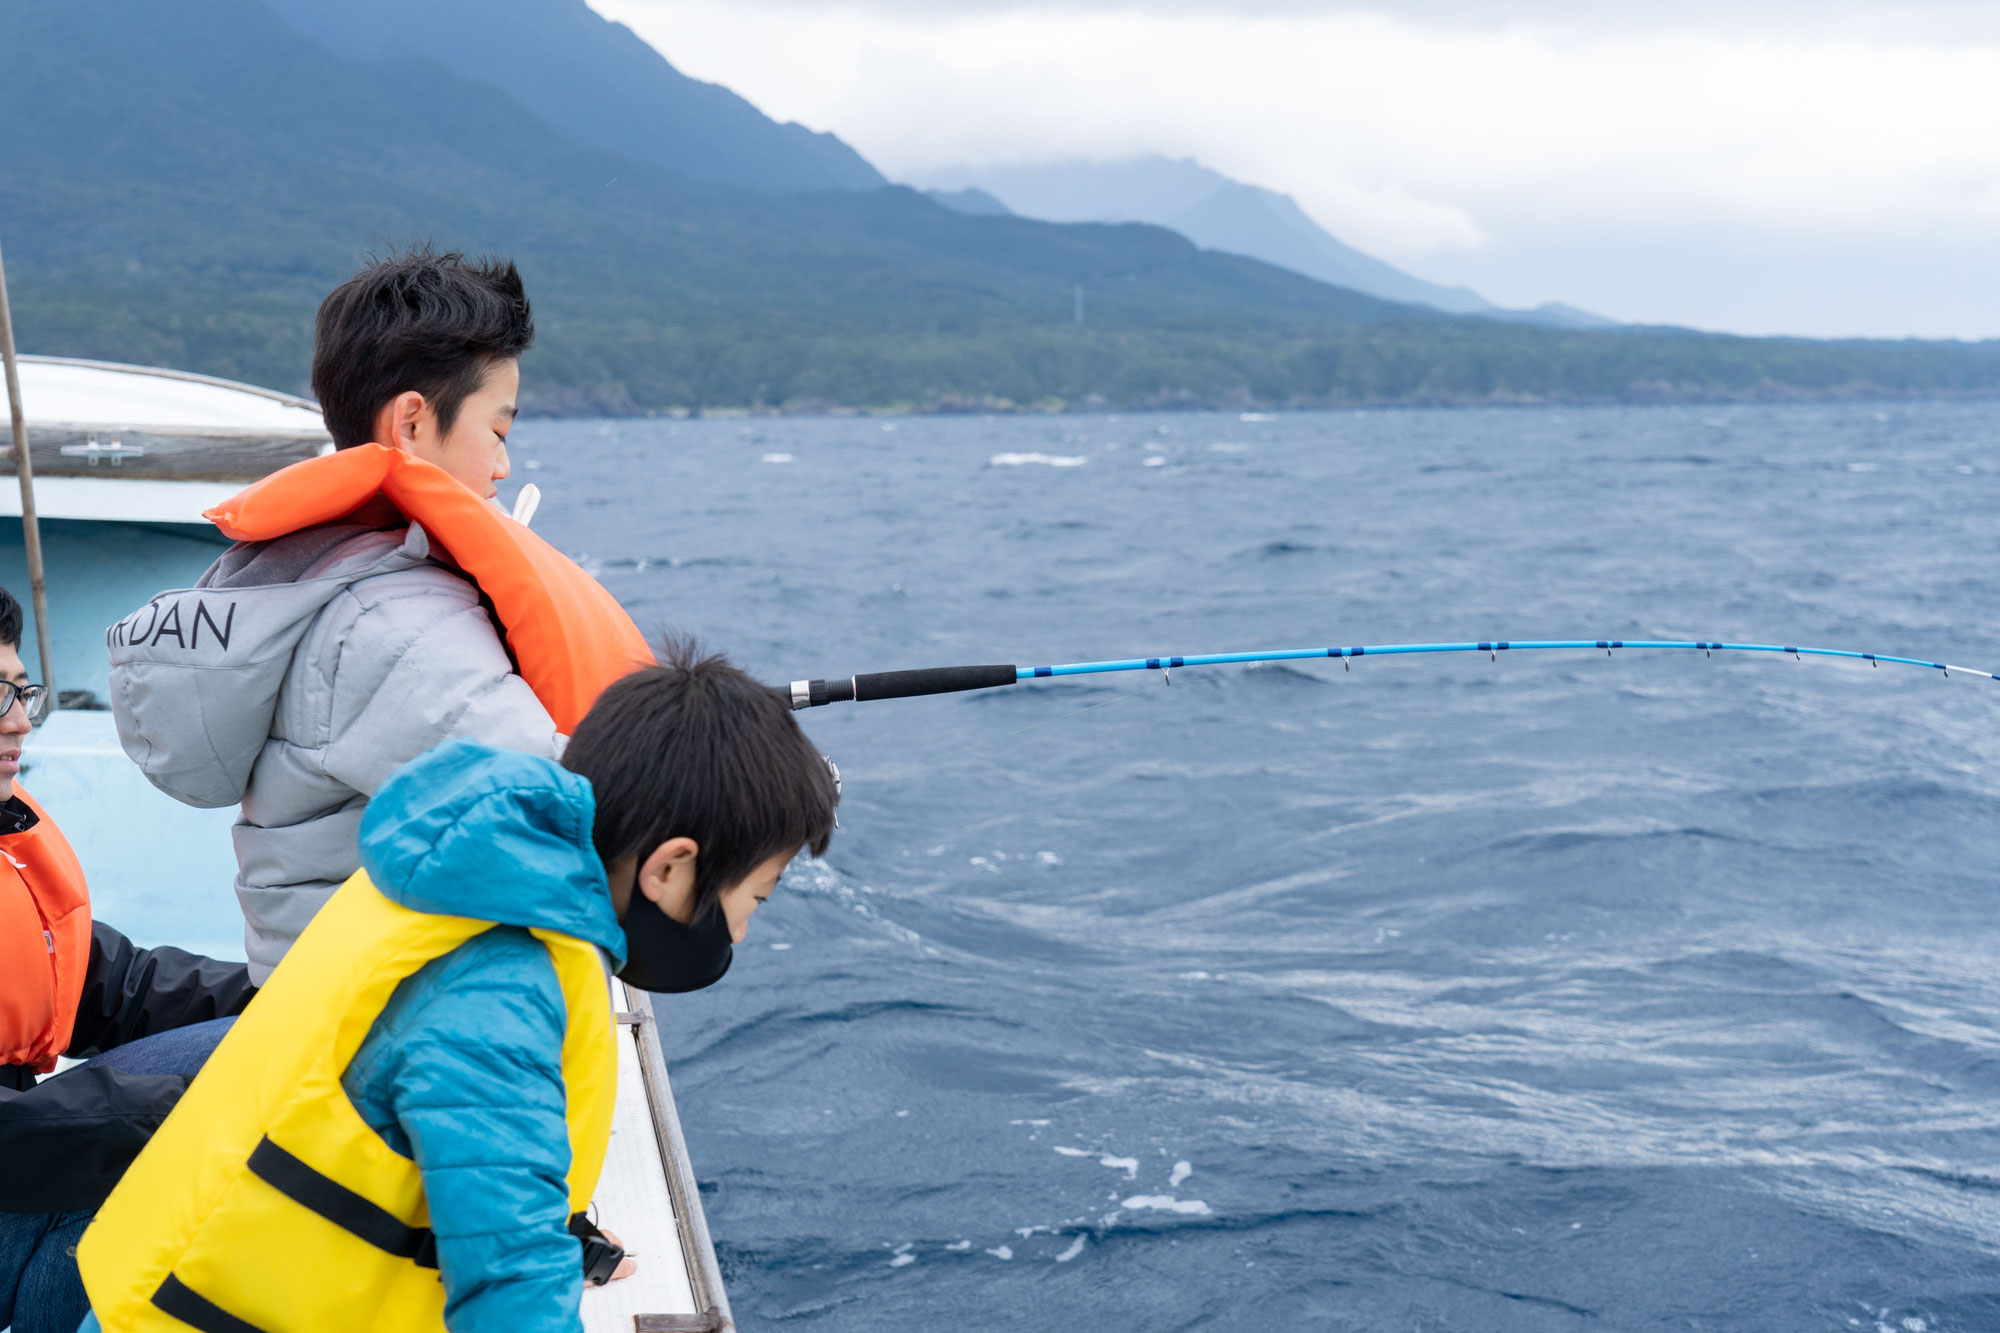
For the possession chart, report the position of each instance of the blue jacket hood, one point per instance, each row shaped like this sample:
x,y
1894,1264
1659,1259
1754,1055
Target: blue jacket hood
x,y
496,835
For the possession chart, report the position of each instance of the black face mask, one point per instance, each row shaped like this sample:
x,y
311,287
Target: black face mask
x,y
666,957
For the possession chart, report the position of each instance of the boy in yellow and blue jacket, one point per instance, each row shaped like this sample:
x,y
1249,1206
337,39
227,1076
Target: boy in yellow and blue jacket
x,y
402,1132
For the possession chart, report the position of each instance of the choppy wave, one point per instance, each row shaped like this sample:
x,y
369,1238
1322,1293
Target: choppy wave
x,y
1045,460
1527,995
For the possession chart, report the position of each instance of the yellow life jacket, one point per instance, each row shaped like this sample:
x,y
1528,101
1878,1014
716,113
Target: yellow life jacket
x,y
225,1223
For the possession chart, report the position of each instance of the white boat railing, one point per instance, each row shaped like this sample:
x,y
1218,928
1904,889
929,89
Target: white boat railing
x,y
648,1196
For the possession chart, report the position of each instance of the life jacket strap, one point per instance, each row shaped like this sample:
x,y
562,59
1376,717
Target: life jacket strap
x,y
320,1193
176,1298
341,1206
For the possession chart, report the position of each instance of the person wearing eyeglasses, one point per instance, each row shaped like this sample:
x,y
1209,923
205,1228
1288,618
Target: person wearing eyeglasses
x,y
144,1020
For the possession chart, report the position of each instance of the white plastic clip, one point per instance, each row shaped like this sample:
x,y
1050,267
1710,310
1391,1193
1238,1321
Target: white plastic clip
x,y
526,503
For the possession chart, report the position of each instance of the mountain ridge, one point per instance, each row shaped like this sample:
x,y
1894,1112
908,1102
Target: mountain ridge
x,y
182,186
594,81
1218,212
1267,225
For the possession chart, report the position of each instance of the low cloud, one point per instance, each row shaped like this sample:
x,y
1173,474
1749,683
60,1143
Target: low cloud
x,y
1451,147
1900,20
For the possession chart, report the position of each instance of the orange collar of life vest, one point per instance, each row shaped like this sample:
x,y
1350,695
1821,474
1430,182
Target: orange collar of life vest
x,y
46,948
569,637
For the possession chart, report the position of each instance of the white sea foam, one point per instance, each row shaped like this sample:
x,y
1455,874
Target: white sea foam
x,y
1156,461
959,1246
781,946
1002,1252
1230,447
777,458
1072,1152
902,1259
1166,1203
1075,1248
1046,460
1254,416
1129,1165
1048,858
1181,1172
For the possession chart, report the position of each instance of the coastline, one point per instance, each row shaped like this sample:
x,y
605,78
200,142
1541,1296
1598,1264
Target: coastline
x,y
1775,395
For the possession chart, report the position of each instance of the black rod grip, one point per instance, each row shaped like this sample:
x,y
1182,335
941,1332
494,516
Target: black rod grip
x,y
931,680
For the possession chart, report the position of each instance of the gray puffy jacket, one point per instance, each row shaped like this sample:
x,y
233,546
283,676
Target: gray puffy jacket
x,y
295,677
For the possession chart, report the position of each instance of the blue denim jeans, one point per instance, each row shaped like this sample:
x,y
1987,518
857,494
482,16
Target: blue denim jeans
x,y
40,1291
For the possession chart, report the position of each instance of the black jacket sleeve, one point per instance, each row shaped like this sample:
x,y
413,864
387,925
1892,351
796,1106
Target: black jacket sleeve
x,y
68,1139
129,992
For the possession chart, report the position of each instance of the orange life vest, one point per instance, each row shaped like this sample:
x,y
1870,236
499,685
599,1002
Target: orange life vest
x,y
44,942
569,637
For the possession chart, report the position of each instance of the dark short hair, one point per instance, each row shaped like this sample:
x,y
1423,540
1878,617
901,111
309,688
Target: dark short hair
x,y
10,621
695,748
416,320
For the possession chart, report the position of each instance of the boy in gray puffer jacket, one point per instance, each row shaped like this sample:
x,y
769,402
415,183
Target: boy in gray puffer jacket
x,y
302,671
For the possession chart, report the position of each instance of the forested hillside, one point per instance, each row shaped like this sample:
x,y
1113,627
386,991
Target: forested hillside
x,y
180,184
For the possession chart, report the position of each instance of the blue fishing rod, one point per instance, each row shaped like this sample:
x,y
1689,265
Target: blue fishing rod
x,y
952,679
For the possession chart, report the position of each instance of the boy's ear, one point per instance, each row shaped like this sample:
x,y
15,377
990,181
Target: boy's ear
x,y
396,423
667,877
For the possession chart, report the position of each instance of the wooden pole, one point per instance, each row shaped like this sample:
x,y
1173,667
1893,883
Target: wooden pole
x,y
24,468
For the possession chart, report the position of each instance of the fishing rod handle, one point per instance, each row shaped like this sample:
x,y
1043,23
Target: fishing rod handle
x,y
900,684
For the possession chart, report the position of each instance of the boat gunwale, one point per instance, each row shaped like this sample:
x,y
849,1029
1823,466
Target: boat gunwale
x,y
300,434
161,372
683,1191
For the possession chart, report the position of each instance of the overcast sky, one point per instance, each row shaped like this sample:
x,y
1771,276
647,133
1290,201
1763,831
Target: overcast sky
x,y
1764,166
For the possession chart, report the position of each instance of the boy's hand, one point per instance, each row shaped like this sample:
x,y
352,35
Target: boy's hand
x,y
626,1266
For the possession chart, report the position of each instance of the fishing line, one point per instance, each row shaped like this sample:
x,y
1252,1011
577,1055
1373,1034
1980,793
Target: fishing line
x,y
978,751
1120,697
952,679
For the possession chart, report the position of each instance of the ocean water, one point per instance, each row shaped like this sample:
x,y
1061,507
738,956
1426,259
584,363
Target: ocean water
x,y
1558,992
1439,994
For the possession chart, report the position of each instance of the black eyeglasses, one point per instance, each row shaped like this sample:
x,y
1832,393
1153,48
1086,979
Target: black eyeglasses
x,y
35,698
